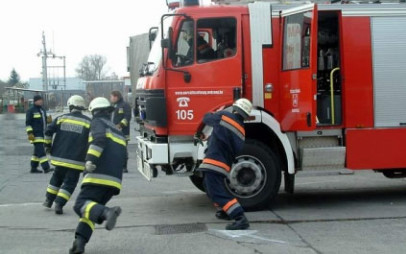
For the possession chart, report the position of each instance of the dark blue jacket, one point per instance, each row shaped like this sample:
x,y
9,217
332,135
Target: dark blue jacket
x,y
69,144
107,150
225,142
122,116
36,123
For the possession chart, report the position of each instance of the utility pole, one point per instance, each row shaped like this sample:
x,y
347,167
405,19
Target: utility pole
x,y
44,53
44,64
51,81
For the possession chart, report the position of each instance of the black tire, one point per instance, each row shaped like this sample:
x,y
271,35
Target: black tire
x,y
394,173
256,154
198,182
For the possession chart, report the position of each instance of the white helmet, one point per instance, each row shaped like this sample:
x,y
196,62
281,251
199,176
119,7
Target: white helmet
x,y
77,102
99,103
243,107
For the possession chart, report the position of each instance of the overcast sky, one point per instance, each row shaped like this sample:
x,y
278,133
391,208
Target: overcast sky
x,y
74,28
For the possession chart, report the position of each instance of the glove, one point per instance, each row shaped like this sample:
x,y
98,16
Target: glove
x,y
49,119
48,149
31,137
198,139
90,167
119,127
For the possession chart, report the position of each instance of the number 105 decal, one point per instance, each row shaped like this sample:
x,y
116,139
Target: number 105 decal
x,y
185,114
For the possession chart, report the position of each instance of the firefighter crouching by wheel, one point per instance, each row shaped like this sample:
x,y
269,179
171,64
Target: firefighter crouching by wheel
x,y
36,123
121,117
225,142
68,152
103,174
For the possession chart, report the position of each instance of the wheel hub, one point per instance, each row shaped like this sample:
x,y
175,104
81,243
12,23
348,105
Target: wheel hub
x,y
247,177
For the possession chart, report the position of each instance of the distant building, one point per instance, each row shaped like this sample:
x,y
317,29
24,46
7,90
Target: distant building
x,y
72,83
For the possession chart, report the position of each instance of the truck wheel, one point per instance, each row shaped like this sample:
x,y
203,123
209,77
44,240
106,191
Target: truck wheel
x,y
255,177
198,182
394,173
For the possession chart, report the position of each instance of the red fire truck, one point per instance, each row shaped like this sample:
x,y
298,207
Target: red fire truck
x,y
328,83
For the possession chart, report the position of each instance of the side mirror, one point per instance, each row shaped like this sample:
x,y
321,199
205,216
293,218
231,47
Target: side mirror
x,y
166,43
153,32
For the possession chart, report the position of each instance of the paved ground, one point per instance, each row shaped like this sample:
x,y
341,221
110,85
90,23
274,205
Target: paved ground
x,y
330,213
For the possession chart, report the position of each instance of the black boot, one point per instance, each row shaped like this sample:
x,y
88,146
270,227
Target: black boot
x,y
47,203
78,246
35,171
221,215
46,171
240,223
58,209
110,216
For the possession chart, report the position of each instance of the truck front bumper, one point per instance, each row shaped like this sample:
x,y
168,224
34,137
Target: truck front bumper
x,y
149,155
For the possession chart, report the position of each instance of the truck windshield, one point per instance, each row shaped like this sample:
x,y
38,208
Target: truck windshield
x,y
155,55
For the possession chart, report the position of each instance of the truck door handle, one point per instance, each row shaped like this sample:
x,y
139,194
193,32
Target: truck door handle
x,y
309,119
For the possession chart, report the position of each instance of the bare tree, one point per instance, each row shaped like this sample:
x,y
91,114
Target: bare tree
x,y
92,67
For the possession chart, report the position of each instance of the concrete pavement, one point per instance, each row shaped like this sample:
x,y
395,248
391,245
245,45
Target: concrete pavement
x,y
330,213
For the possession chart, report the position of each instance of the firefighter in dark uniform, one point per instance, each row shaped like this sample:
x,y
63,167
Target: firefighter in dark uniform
x,y
225,142
68,152
121,117
36,123
103,175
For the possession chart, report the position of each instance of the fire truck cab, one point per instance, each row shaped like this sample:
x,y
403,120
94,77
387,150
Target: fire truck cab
x,y
328,83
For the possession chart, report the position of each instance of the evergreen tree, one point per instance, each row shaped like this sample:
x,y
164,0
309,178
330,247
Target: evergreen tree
x,y
14,78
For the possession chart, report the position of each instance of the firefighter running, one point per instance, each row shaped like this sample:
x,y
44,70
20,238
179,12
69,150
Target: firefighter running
x,y
225,142
103,174
121,117
68,152
36,123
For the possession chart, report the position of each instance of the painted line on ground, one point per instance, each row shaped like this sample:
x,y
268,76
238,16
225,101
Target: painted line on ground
x,y
19,204
238,234
317,182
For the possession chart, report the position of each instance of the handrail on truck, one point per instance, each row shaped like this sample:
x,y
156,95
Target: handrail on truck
x,y
333,117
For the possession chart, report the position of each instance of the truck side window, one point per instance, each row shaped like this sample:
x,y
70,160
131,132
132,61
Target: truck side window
x,y
215,39
296,41
184,54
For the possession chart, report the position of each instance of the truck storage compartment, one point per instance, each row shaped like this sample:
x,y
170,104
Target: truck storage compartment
x,y
328,70
389,64
324,110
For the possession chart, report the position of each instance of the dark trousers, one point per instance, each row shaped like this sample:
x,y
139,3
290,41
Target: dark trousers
x,y
126,157
89,206
214,183
39,157
62,185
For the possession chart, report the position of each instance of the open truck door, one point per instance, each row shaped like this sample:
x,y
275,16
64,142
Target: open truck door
x,y
299,68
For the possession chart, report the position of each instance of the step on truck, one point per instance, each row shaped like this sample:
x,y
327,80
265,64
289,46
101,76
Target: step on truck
x,y
328,83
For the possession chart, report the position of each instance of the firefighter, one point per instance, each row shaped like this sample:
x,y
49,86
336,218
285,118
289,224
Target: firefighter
x,y
204,50
36,123
121,117
225,142
103,174
68,152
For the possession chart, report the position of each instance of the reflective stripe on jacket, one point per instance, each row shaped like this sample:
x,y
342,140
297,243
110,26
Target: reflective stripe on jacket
x,y
36,123
122,115
225,142
70,142
107,150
